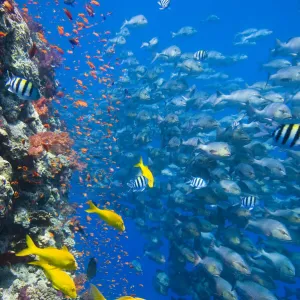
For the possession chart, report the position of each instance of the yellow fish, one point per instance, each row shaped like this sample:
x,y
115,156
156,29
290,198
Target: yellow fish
x,y
130,298
146,172
60,280
60,258
108,216
95,293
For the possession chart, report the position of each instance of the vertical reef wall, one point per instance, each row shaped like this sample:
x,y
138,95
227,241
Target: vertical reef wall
x,y
36,159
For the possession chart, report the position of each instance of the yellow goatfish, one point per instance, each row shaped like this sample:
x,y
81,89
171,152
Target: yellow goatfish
x,y
95,293
60,280
60,258
108,216
146,172
130,298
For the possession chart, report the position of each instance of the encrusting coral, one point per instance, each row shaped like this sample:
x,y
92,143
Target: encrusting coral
x,y
36,162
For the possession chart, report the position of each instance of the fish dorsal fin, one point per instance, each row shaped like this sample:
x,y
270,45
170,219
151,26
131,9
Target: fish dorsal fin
x,y
64,248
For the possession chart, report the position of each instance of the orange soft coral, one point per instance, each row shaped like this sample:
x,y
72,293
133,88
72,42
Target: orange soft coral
x,y
41,107
56,143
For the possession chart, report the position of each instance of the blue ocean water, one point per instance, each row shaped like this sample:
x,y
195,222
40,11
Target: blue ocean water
x,y
282,17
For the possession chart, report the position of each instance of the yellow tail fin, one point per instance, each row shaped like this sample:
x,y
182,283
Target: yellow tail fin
x,y
93,208
32,248
95,293
140,164
39,263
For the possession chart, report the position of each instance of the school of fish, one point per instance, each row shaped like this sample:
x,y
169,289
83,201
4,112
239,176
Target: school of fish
x,y
209,173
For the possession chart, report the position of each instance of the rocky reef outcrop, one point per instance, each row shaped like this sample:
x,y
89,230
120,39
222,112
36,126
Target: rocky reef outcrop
x,y
35,165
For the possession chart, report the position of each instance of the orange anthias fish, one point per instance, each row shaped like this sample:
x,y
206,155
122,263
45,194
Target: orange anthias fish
x,y
68,14
61,30
95,3
81,103
91,65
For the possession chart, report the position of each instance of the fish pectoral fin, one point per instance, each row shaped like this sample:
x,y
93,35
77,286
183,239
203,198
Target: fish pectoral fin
x,y
64,248
55,286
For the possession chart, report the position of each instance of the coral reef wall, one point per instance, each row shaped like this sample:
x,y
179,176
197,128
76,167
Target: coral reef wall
x,y
36,159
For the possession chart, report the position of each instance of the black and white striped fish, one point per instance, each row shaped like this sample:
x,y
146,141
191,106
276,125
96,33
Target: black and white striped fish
x,y
249,202
197,183
23,88
139,184
287,135
200,55
164,4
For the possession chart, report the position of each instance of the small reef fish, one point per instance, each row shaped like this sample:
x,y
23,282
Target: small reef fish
x,y
91,269
108,216
164,4
139,184
95,294
60,258
287,135
60,280
129,298
136,21
249,202
197,183
23,88
146,172
200,55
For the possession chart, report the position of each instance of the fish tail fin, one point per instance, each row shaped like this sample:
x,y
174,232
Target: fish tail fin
x,y
278,43
197,259
267,212
93,208
9,78
31,248
140,164
278,46
130,185
219,98
39,263
95,293
212,245
268,79
155,58
173,34
124,24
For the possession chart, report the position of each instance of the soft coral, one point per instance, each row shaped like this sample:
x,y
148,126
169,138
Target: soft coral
x,y
56,143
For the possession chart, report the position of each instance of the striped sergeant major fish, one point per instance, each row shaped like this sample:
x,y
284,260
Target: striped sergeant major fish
x,y
287,135
197,183
164,4
200,55
249,202
139,184
23,88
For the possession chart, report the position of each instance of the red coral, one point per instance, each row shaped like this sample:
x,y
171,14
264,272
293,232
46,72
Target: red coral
x,y
56,143
41,107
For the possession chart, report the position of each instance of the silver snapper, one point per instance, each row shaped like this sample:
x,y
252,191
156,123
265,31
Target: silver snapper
x,y
136,21
184,31
292,46
169,54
